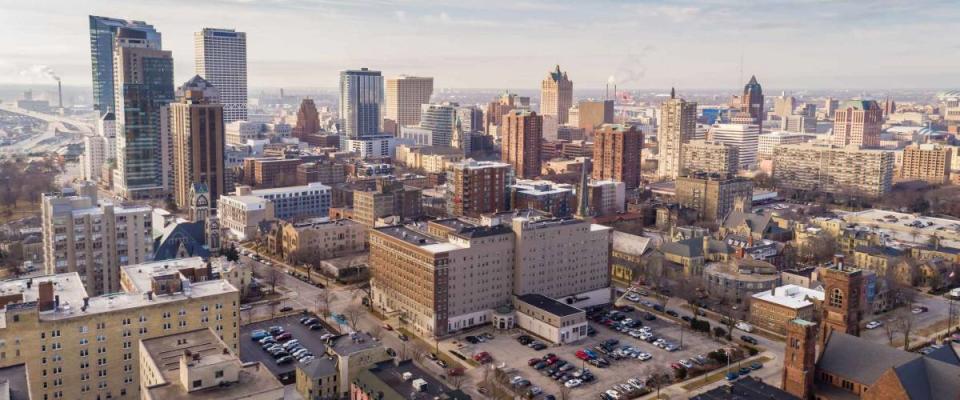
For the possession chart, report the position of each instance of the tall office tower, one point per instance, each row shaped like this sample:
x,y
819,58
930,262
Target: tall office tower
x,y
440,120
404,97
556,96
677,125
361,103
833,169
471,117
710,157
144,87
501,106
889,106
196,124
927,162
744,136
475,188
221,58
308,119
784,105
858,122
103,35
616,154
520,142
752,100
94,240
593,113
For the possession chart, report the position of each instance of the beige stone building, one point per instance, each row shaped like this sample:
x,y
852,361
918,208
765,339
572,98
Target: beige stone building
x,y
404,95
550,319
710,157
322,238
833,169
712,195
199,365
78,346
930,163
389,198
94,240
677,126
556,96
241,215
430,158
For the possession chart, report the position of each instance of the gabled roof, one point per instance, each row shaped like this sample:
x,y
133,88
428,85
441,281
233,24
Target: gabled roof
x,y
926,378
687,248
188,235
757,223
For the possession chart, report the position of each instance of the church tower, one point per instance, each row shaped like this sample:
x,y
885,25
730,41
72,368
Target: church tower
x,y
799,362
212,235
843,290
199,202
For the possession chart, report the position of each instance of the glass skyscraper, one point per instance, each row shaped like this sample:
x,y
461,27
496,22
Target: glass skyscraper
x,y
103,31
361,103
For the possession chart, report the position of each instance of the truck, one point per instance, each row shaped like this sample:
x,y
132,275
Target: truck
x,y
419,385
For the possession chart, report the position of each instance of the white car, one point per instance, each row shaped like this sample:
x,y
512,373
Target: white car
x,y
874,324
573,383
644,356
514,380
686,363
613,393
743,326
646,329
633,297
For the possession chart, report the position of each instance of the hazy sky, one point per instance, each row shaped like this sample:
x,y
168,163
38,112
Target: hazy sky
x,y
499,44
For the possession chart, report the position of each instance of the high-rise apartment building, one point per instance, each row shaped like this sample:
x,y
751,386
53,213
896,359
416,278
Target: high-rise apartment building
x,y
830,106
556,95
927,162
496,109
294,202
616,154
94,240
78,344
477,187
404,97
361,103
308,119
858,123
441,121
710,157
769,141
833,169
713,196
196,125
103,34
744,136
522,132
677,126
593,113
143,88
220,56
389,198
471,118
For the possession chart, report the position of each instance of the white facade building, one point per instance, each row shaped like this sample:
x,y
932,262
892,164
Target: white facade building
x,y
372,146
221,59
744,136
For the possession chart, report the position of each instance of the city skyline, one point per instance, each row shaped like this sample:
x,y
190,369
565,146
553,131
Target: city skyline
x,y
642,45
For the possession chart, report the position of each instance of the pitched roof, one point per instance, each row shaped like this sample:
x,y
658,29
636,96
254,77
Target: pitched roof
x,y
748,388
757,223
687,248
926,378
189,235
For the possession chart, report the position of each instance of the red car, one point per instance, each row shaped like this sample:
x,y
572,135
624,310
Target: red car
x,y
533,361
283,337
676,366
482,357
387,327
582,355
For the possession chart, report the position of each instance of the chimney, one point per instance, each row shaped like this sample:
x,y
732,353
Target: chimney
x,y
60,93
838,261
86,303
29,283
56,301
45,296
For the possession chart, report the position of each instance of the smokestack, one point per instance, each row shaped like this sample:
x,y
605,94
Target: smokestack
x,y
60,93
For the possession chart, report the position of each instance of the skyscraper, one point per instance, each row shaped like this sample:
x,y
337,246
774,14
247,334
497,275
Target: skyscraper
x,y
744,136
752,100
308,120
677,125
221,59
144,87
499,107
858,122
440,120
556,95
404,97
196,124
521,134
103,31
593,113
616,154
361,102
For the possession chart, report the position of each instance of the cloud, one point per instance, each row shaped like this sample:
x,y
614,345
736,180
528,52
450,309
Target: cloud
x,y
39,71
674,13
401,15
443,18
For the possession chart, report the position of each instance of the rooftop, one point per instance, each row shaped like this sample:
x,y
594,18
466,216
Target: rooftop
x,y
347,344
13,383
395,382
790,296
549,305
748,388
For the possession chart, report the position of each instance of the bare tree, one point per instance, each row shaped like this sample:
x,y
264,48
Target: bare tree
x,y
353,314
891,328
274,277
274,305
689,289
905,325
658,376
456,380
565,392
376,332
323,302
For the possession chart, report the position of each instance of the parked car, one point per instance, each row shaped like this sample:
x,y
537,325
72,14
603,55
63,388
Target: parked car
x,y
573,383
283,337
286,309
403,337
284,360
874,324
743,326
258,334
749,339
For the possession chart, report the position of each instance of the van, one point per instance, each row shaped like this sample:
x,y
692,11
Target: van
x,y
743,326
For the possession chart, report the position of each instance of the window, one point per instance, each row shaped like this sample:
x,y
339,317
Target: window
x,y
836,298
218,374
197,383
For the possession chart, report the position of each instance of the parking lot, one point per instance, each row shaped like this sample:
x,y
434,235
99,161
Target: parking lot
x,y
251,350
505,349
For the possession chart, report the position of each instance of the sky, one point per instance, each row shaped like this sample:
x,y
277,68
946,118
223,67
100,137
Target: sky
x,y
797,44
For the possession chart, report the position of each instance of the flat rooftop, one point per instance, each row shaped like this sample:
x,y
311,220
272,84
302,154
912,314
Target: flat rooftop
x,y
387,378
549,305
790,296
13,383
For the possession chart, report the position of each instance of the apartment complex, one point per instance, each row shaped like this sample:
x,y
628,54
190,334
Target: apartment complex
x,y
769,141
320,238
294,202
712,195
521,133
428,158
199,365
858,123
196,124
592,113
677,126
242,214
404,97
94,240
361,103
389,198
557,199
833,169
441,121
82,346
325,171
743,136
604,198
220,56
556,96
930,163
270,172
616,154
477,187
710,157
